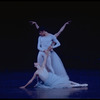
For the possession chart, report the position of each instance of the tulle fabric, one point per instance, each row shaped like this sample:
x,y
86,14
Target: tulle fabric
x,y
58,79
57,65
54,81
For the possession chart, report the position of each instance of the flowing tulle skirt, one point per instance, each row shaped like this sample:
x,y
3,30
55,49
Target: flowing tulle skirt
x,y
54,81
60,78
57,65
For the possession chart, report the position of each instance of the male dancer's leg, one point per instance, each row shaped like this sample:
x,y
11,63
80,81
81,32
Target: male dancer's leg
x,y
40,58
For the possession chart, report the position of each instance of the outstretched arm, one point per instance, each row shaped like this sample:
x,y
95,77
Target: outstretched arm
x,y
45,58
62,28
30,81
32,22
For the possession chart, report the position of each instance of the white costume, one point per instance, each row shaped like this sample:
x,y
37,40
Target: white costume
x,y
43,43
51,80
54,63
57,76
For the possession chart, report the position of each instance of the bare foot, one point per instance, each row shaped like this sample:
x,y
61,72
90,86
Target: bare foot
x,y
80,85
83,85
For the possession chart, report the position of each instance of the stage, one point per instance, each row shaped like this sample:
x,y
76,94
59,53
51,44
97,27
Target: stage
x,y
11,81
79,50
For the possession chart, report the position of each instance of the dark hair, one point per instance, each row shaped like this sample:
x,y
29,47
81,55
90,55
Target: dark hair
x,y
42,29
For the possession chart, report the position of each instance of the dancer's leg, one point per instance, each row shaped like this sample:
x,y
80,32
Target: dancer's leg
x,y
74,84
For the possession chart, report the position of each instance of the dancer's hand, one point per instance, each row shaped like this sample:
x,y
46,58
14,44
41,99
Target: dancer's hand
x,y
36,64
50,48
32,22
46,52
68,22
22,87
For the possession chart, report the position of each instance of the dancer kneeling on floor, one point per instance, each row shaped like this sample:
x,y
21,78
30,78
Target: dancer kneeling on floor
x,y
51,80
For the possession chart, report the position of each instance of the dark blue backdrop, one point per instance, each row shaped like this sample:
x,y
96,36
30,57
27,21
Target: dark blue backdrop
x,y
79,41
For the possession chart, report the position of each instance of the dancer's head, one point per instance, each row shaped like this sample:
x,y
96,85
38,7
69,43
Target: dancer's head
x,y
36,65
42,31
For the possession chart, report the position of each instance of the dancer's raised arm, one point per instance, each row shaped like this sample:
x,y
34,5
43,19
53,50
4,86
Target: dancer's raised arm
x,y
45,58
62,28
33,22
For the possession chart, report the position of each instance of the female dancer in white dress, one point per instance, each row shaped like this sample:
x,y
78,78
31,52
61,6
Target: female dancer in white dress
x,y
51,80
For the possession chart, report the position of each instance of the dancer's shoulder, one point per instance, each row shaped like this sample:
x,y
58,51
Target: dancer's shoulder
x,y
39,37
51,34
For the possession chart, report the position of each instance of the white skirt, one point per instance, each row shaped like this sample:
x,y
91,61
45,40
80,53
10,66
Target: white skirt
x,y
60,78
58,65
54,81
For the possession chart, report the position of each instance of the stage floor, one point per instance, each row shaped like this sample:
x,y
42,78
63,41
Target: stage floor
x,y
11,81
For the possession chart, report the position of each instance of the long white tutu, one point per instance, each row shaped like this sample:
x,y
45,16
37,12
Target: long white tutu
x,y
54,81
57,65
58,79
